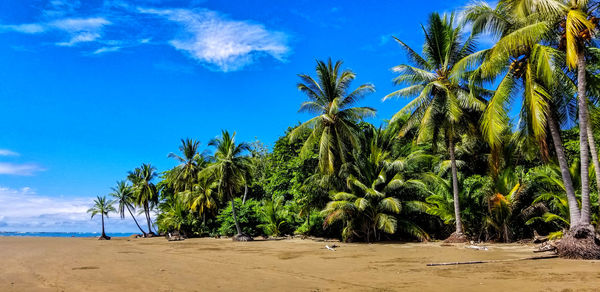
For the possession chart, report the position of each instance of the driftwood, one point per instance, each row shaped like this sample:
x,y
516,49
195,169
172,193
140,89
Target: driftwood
x,y
491,261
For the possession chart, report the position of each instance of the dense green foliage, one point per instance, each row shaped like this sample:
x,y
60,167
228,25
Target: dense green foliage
x,y
451,162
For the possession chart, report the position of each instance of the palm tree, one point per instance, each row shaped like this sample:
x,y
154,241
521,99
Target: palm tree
x,y
173,216
201,197
442,103
370,207
230,168
527,64
578,30
541,18
186,174
334,128
272,214
144,191
123,194
102,206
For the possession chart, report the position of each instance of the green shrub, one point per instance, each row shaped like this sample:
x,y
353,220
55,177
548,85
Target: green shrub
x,y
247,215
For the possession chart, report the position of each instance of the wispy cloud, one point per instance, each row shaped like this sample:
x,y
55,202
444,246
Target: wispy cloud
x,y
106,50
219,42
212,39
19,169
25,210
6,152
78,30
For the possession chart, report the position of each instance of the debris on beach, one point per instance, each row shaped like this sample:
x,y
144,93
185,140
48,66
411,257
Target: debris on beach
x,y
477,247
332,248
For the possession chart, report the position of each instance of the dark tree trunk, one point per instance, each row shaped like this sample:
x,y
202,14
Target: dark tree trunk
x,y
583,141
103,234
135,220
459,225
564,168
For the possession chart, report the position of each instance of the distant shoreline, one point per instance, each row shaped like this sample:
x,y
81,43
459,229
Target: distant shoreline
x,y
63,234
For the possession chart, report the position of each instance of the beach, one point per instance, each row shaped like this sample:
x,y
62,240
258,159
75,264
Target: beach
x,y
124,264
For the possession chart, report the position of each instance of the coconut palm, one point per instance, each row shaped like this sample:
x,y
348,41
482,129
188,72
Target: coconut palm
x,y
273,214
102,206
522,62
442,103
173,216
123,194
369,207
230,168
201,196
186,173
334,128
144,191
508,187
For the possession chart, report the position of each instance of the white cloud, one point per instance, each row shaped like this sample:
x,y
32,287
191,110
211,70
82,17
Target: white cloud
x,y
75,25
19,169
24,210
221,43
106,50
6,152
28,28
79,30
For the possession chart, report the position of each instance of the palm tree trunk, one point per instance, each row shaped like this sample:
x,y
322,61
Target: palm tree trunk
x,y
135,220
245,193
459,225
583,142
103,234
237,224
147,212
564,168
594,152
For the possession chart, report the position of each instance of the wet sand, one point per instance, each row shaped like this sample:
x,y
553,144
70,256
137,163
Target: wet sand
x,y
123,264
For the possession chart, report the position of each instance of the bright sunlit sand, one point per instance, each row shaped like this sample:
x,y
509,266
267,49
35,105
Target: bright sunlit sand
x,y
123,264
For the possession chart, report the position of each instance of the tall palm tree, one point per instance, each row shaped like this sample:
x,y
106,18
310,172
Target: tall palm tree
x,y
102,206
522,61
144,191
186,173
578,31
442,102
230,168
569,17
334,127
123,194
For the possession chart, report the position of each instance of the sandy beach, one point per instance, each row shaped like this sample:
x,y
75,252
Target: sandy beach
x,y
123,264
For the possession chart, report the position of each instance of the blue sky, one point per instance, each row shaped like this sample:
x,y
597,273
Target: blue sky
x,y
91,89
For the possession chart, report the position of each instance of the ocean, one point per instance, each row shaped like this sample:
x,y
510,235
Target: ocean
x,y
64,234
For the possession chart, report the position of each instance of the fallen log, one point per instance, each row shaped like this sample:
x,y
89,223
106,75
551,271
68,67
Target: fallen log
x,y
491,261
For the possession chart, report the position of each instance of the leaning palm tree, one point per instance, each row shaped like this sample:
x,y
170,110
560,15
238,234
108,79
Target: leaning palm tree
x,y
334,128
230,168
442,102
102,206
144,191
123,194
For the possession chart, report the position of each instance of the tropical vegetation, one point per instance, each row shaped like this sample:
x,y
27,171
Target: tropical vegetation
x,y
495,143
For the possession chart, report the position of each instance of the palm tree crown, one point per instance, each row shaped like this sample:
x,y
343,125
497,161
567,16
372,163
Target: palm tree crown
x,y
334,127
